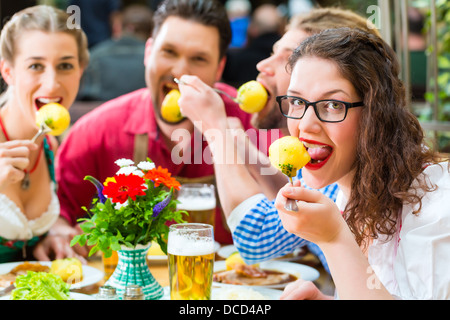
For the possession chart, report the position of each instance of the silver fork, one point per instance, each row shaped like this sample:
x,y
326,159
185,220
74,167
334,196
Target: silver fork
x,y
43,129
178,81
7,290
291,204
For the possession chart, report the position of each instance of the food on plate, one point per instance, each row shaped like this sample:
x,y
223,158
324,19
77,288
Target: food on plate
x,y
23,268
252,96
55,116
239,273
40,286
238,293
170,110
233,259
9,278
6,280
263,278
69,269
288,155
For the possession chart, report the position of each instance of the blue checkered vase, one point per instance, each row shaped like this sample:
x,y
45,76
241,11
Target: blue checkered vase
x,y
132,269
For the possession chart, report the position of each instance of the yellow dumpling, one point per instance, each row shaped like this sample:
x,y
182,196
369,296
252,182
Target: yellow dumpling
x,y
232,260
69,269
55,116
288,155
170,110
252,96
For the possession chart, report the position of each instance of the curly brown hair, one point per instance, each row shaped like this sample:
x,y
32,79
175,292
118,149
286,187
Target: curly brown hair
x,y
391,151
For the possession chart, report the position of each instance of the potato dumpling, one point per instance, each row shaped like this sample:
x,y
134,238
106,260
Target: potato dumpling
x,y
288,155
69,269
170,110
232,260
252,96
55,116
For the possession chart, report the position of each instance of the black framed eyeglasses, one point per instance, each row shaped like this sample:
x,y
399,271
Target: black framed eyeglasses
x,y
326,110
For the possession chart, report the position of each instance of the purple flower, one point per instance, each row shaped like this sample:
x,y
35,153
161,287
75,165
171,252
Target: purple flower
x,y
99,187
161,205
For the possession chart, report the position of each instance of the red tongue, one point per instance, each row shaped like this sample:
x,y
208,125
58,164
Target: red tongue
x,y
319,153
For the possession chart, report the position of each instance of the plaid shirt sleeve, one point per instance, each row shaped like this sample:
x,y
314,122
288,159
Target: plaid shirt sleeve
x,y
260,235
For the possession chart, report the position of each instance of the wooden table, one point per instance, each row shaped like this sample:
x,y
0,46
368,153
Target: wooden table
x,y
159,270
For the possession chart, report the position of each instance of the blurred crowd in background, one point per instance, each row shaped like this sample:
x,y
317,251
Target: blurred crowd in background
x,y
117,31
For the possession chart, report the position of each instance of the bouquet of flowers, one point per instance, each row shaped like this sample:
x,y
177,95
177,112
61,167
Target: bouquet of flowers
x,y
132,208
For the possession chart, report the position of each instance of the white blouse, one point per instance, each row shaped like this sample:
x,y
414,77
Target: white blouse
x,y
14,225
414,264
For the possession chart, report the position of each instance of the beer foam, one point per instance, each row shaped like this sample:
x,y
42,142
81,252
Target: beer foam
x,y
183,245
196,204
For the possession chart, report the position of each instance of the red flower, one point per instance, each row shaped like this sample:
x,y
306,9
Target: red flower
x,y
162,176
125,186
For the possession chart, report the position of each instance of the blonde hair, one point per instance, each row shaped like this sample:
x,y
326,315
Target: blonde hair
x,y
42,18
321,19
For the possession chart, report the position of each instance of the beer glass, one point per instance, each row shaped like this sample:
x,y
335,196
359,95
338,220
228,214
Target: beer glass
x,y
199,200
190,250
110,264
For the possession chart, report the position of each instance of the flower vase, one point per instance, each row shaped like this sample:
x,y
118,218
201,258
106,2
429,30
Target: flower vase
x,y
132,269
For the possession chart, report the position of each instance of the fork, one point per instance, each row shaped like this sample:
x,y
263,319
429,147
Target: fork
x,y
7,290
177,81
291,204
43,129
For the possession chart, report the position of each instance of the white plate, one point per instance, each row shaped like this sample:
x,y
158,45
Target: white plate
x,y
91,275
269,294
296,269
73,295
226,251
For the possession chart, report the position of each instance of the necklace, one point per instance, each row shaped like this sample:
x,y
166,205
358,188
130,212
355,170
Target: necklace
x,y
25,185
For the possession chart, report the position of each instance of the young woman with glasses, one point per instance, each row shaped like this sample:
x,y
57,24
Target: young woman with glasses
x,y
388,234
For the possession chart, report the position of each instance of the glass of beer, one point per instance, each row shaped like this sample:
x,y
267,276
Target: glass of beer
x,y
190,250
199,200
110,264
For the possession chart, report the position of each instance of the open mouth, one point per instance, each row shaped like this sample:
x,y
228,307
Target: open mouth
x,y
167,87
42,101
319,153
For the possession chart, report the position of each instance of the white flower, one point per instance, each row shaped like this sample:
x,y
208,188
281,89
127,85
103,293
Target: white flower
x,y
145,165
119,205
124,162
138,173
126,170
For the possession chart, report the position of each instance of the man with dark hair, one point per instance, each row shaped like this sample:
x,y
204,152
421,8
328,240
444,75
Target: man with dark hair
x,y
189,37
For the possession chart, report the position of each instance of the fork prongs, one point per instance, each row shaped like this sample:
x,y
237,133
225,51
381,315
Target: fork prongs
x,y
178,81
43,129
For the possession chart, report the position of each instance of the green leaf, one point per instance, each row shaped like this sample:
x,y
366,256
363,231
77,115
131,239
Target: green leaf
x,y
93,251
130,237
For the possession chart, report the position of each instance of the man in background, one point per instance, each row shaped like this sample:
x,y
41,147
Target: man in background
x,y
116,66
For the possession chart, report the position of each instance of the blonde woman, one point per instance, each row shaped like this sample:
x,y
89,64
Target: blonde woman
x,y
42,61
